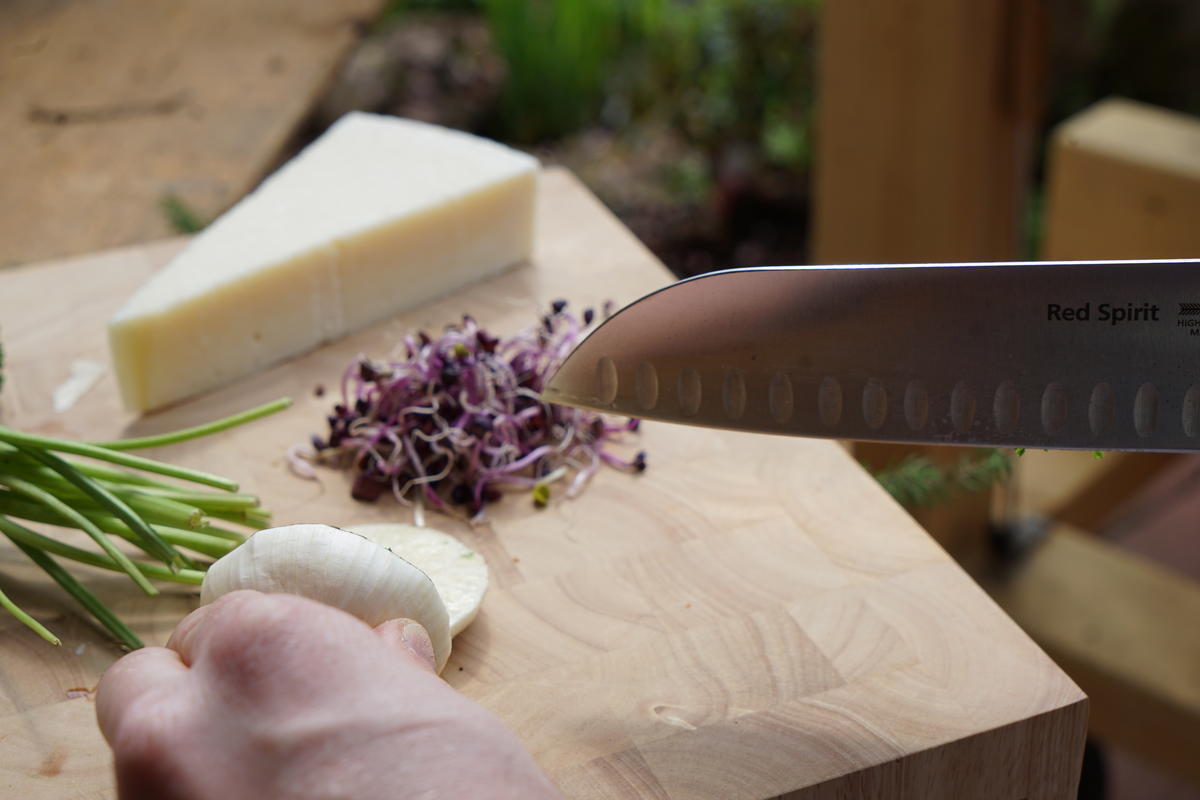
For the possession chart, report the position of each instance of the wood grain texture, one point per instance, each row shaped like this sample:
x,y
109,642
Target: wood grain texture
x,y
1124,182
109,106
749,618
960,521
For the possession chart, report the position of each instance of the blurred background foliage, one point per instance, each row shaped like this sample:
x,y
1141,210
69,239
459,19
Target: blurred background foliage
x,y
693,119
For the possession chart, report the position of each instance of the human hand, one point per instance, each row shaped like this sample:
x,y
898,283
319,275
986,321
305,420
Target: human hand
x,y
275,696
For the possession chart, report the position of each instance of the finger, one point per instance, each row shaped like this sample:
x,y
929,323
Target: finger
x,y
248,640
188,633
185,630
140,674
410,640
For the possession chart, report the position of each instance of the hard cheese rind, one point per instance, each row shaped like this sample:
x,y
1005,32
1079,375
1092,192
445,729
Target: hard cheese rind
x,y
378,215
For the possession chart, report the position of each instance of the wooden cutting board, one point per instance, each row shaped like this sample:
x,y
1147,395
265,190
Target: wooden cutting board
x,y
750,617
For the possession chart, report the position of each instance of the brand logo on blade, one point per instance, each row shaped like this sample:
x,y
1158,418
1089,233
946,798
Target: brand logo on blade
x,y
1108,313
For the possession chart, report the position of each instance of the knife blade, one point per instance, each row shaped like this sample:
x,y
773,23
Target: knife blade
x,y
1096,355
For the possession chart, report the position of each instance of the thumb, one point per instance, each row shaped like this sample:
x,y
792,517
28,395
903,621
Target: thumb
x,y
410,640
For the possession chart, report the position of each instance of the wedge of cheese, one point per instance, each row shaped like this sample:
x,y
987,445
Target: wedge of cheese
x,y
378,215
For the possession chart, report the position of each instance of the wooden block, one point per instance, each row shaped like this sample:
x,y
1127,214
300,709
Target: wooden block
x,y
1126,630
926,124
1124,182
1077,489
750,617
109,107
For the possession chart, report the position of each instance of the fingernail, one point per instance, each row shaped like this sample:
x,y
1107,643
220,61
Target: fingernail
x,y
416,639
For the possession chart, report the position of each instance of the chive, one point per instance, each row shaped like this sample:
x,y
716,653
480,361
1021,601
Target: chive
x,y
151,508
28,621
103,497
85,598
99,471
185,434
21,534
221,533
111,474
167,505
202,501
162,510
39,444
153,543
210,544
195,540
150,503
252,518
40,495
16,506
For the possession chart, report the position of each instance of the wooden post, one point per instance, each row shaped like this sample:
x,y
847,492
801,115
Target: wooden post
x,y
925,129
926,123
1124,182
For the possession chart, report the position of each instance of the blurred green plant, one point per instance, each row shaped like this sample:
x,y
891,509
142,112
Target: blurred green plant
x,y
394,10
917,482
559,54
718,71
728,71
180,216
689,178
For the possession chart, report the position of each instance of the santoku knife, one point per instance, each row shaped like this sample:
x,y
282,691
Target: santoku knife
x,y
1097,355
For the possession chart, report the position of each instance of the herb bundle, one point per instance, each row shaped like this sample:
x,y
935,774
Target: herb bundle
x,y
110,493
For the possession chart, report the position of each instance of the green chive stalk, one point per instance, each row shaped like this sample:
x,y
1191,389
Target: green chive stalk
x,y
26,620
200,430
103,491
22,535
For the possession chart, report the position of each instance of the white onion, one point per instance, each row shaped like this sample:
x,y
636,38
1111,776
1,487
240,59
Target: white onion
x,y
338,568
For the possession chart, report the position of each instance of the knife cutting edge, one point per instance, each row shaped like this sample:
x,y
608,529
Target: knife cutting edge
x,y
1096,355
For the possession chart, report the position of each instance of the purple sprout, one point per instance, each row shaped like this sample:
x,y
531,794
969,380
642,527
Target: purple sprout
x,y
461,418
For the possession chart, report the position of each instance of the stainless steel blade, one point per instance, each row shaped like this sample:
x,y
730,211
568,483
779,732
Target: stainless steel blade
x,y
1074,355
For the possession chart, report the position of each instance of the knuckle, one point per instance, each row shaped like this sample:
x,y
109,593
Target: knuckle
x,y
241,618
251,639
